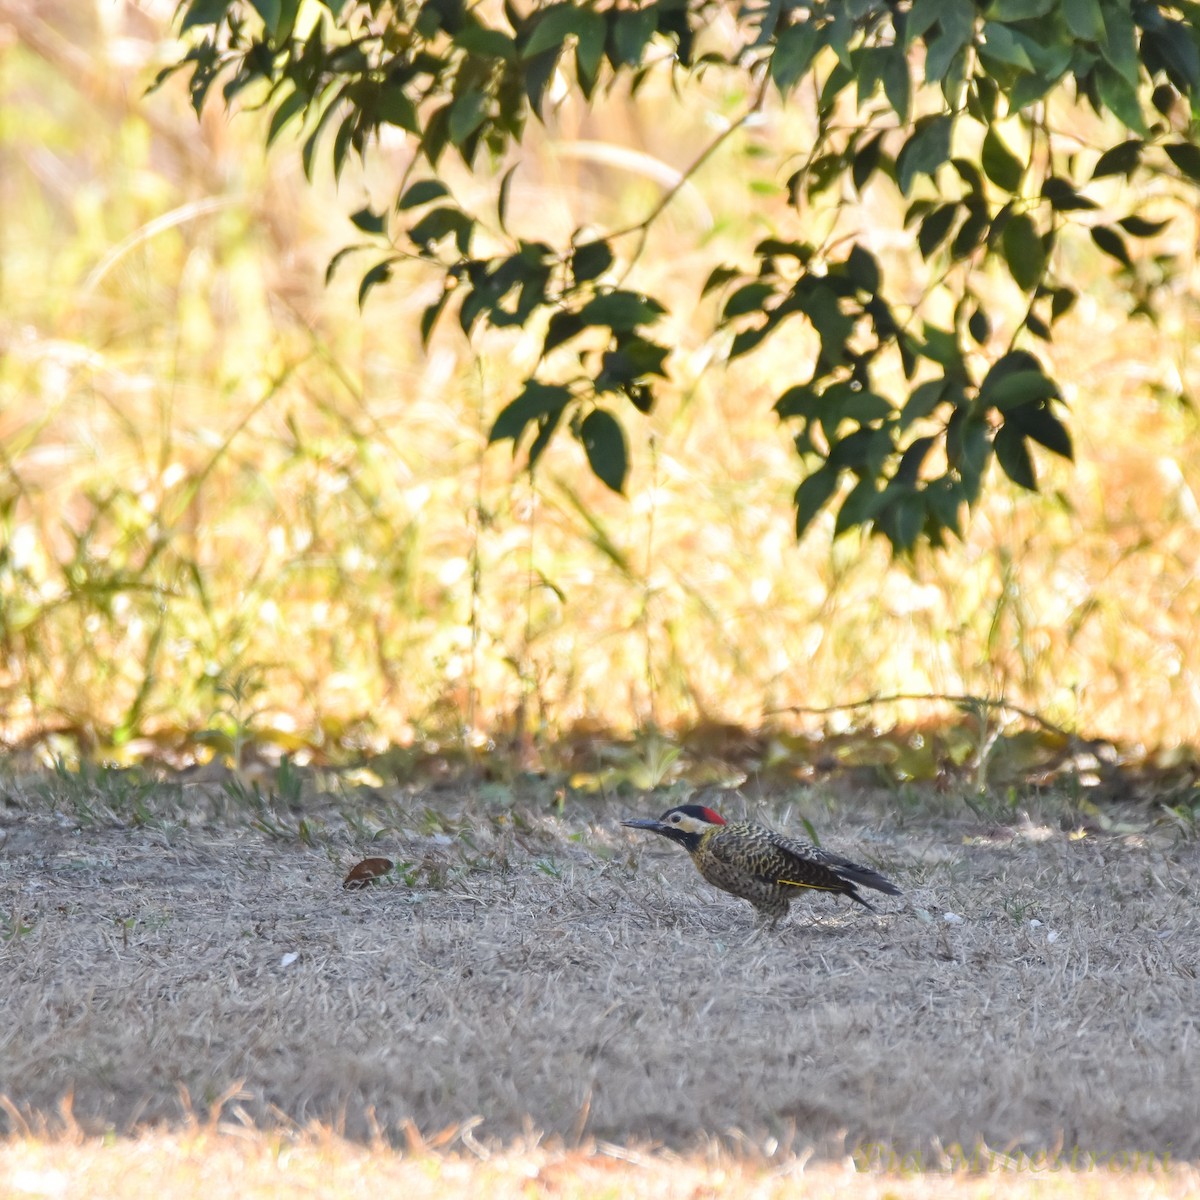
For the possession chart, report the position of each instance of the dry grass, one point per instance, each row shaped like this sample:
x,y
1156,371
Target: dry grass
x,y
550,971
202,1162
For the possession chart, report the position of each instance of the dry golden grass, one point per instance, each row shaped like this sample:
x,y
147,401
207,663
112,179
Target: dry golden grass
x,y
230,501
233,1160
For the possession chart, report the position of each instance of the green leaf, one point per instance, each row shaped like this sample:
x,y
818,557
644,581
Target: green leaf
x,y
941,346
935,228
971,232
999,163
620,310
923,402
422,192
1038,422
926,150
1112,243
748,298
802,252
859,507
1084,19
901,520
590,260
632,362
866,160
486,42
1024,252
1119,160
945,499
1005,45
1018,10
536,400
956,21
467,113
563,326
1120,97
1119,44
632,30
909,470
589,49
1141,228
864,407
897,83
379,273
430,315
1186,157
1062,301
368,221
1174,44
604,441
546,427
820,304
718,277
395,108
295,103
1017,389
968,172
270,11
1013,455
979,327
812,495
553,26
863,269
1064,198
800,400
342,142
968,446
502,196
440,222
308,154
204,12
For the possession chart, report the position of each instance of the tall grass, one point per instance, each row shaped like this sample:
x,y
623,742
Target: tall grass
x,y
230,501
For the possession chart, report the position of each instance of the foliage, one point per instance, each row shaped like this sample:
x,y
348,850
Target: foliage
x,y
948,101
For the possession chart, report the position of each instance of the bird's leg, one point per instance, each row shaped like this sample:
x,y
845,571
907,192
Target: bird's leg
x,y
765,923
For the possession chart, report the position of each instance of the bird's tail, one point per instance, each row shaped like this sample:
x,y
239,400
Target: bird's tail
x,y
856,874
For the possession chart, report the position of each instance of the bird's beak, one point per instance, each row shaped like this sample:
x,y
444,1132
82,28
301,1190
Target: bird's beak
x,y
643,823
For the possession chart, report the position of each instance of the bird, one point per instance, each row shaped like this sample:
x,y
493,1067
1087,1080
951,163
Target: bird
x,y
758,864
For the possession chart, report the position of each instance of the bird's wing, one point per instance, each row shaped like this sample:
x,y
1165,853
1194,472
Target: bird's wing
x,y
826,866
805,851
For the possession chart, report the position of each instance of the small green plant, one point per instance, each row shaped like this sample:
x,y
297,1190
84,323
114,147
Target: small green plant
x,y
230,728
1018,910
1184,812
289,783
98,794
13,926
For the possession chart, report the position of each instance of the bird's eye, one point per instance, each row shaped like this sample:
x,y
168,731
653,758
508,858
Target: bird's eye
x,y
675,819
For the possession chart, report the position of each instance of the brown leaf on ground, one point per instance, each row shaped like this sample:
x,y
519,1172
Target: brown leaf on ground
x,y
367,871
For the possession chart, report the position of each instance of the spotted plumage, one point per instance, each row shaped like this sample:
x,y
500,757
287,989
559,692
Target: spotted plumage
x,y
758,864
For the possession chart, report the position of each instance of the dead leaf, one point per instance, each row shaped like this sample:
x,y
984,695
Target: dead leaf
x,y
366,872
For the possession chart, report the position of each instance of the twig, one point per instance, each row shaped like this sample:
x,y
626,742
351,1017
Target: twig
x,y
642,227
928,697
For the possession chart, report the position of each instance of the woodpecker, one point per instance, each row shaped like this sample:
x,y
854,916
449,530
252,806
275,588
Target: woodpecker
x,y
758,864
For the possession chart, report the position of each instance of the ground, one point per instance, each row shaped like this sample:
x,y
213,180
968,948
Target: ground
x,y
532,966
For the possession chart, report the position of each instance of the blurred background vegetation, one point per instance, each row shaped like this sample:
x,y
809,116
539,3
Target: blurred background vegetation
x,y
233,507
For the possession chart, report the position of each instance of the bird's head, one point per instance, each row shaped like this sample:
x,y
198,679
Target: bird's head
x,y
686,824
